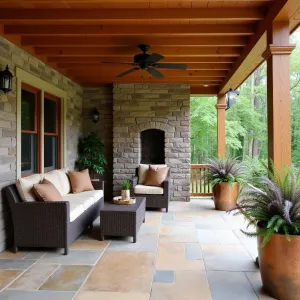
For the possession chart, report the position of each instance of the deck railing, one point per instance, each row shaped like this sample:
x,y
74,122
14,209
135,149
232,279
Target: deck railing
x,y
199,184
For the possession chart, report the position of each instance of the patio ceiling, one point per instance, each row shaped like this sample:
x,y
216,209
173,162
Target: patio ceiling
x,y
220,41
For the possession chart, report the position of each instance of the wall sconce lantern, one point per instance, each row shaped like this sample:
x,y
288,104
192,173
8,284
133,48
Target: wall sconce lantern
x,y
6,80
231,98
95,115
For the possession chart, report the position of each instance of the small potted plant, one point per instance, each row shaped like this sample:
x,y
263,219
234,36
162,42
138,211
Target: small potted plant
x,y
225,176
91,155
125,189
274,211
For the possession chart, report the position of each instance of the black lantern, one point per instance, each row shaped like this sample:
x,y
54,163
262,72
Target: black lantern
x,y
6,80
95,115
231,98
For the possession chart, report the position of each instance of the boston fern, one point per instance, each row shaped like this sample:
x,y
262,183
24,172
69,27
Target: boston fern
x,y
274,208
225,170
91,154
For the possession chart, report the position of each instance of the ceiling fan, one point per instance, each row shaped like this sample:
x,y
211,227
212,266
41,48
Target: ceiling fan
x,y
148,62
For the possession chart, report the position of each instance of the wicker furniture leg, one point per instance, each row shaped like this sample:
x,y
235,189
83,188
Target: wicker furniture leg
x,y
15,249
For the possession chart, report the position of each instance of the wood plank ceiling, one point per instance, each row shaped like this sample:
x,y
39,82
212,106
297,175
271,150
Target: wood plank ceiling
x,y
76,36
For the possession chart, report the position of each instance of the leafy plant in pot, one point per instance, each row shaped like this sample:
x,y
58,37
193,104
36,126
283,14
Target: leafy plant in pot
x,y
91,155
274,210
125,190
225,175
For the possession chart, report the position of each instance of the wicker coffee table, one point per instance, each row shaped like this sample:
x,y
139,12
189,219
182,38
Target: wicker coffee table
x,y
122,220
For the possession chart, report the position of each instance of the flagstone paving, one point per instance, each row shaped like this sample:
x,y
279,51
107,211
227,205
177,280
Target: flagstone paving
x,y
191,253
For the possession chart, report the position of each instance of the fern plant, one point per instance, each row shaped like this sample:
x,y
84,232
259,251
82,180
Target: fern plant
x,y
225,170
91,154
275,207
125,185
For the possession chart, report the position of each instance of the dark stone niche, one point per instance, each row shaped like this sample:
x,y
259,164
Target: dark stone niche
x,y
153,146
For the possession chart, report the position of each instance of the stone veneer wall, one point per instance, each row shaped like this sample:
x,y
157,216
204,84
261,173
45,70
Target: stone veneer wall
x,y
138,107
15,57
102,99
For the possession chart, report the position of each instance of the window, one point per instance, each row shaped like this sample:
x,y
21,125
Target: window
x,y
39,132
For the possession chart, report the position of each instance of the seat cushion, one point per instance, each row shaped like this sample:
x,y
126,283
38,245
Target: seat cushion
x,y
25,185
143,170
78,198
76,209
96,194
148,190
46,191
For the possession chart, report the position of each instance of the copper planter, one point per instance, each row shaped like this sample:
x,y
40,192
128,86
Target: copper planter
x,y
279,263
225,195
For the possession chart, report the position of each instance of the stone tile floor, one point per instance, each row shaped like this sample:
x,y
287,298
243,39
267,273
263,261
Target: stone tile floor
x,y
191,253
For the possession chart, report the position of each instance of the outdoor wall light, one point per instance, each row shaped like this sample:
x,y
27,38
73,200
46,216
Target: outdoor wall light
x,y
231,97
95,115
6,80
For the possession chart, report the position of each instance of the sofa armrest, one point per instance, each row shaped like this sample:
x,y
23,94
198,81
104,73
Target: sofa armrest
x,y
98,185
134,181
46,213
167,185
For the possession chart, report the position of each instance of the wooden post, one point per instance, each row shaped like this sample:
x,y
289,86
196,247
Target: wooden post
x,y
221,105
278,91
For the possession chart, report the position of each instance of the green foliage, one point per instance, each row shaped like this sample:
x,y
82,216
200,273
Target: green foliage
x,y
91,154
275,207
125,185
225,170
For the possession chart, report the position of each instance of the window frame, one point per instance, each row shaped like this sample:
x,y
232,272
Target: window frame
x,y
24,78
37,125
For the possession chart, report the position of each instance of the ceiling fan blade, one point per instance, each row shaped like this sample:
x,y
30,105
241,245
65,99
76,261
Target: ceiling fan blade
x,y
170,66
127,72
154,57
115,62
155,73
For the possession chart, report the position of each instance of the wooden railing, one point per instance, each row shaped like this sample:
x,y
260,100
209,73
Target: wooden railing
x,y
199,183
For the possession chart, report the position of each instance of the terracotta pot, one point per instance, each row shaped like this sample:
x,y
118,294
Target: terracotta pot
x,y
225,196
125,194
279,263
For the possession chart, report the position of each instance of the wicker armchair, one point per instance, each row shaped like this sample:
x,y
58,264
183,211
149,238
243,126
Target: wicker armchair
x,y
47,224
152,200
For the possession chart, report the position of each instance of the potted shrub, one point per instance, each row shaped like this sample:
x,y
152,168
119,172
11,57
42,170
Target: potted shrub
x,y
91,155
225,176
125,189
274,210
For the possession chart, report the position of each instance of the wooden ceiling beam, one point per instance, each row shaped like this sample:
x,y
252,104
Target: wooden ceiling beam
x,y
164,14
261,29
98,59
167,72
107,41
203,91
131,51
120,67
138,30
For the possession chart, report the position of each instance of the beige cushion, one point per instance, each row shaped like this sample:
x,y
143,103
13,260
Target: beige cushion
x,y
64,180
55,178
143,170
96,194
156,176
46,191
76,209
148,190
25,185
80,181
78,198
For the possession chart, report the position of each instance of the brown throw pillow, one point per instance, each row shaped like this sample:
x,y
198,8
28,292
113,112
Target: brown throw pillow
x,y
46,191
156,176
80,181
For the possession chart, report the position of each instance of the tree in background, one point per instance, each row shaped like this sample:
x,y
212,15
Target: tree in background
x,y
246,121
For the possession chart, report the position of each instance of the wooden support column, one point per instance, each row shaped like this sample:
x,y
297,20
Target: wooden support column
x,y
221,105
278,91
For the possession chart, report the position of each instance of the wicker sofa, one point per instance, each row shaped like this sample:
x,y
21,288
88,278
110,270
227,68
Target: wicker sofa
x,y
52,224
156,197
